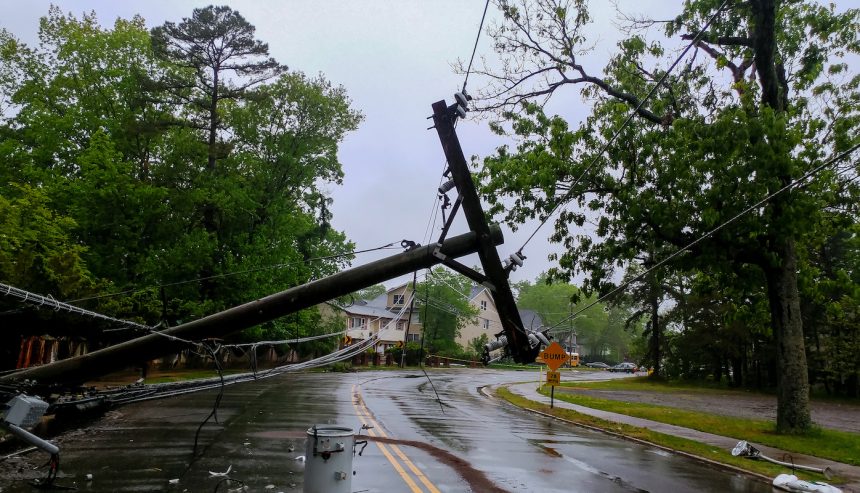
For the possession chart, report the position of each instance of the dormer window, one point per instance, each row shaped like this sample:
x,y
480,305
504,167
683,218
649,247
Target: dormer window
x,y
397,299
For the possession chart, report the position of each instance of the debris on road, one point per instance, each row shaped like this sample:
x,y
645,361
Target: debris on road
x,y
790,482
214,474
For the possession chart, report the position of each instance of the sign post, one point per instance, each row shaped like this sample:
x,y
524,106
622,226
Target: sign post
x,y
554,356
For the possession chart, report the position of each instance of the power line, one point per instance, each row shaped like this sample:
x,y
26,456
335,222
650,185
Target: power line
x,y
627,120
235,273
285,341
475,48
172,389
434,210
40,301
796,183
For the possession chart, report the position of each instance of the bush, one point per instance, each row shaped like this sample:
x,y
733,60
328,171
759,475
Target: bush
x,y
341,367
413,353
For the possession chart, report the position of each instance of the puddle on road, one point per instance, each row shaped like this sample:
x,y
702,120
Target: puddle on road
x,y
280,434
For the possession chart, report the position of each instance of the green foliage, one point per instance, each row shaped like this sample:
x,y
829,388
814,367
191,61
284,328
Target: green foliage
x,y
835,445
476,345
720,134
371,292
205,49
341,367
602,332
413,354
444,309
113,188
36,249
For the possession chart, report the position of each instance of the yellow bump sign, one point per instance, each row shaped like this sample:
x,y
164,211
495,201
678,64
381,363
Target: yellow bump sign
x,y
554,356
553,378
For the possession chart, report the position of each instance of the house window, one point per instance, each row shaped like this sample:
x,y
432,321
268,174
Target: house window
x,y
401,325
486,323
413,337
398,299
357,322
483,304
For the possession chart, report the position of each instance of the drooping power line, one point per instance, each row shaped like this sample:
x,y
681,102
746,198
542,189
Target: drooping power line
x,y
475,48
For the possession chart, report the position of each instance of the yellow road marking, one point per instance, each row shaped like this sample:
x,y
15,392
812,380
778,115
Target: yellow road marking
x,y
397,467
420,475
415,470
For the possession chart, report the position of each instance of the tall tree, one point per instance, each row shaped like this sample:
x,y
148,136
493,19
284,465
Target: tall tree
x,y
555,302
212,45
111,156
700,151
214,42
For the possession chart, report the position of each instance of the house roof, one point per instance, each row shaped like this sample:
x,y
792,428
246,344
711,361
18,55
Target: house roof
x,y
395,288
531,320
370,311
377,307
380,301
476,290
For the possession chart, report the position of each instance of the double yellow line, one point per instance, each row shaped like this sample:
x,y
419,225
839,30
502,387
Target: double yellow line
x,y
376,431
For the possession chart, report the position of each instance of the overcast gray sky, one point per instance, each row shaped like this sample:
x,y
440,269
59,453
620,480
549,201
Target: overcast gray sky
x,y
394,59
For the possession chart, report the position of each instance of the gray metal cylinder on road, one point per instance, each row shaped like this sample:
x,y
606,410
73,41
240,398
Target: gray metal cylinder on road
x,y
328,459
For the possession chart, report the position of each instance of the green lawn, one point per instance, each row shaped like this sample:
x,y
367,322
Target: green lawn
x,y
645,383
830,444
697,449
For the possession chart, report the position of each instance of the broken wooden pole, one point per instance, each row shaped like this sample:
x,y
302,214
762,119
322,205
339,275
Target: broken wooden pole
x,y
82,368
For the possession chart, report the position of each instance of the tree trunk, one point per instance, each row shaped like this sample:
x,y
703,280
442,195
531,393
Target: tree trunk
x,y
213,121
774,91
654,302
736,378
207,285
655,334
792,414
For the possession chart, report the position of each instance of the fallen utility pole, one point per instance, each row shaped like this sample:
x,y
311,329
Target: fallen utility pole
x,y
82,368
494,275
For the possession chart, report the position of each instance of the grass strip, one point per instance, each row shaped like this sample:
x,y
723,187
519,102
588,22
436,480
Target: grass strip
x,y
835,445
643,383
693,448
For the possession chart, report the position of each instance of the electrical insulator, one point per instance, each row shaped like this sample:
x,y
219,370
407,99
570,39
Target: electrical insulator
x,y
517,258
448,185
514,261
463,99
499,343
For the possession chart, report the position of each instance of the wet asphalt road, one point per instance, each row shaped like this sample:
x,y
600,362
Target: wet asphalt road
x,y
262,425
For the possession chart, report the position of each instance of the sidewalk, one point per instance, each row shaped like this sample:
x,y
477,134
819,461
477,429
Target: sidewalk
x,y
850,473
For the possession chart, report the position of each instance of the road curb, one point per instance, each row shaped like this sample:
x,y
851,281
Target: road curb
x,y
640,441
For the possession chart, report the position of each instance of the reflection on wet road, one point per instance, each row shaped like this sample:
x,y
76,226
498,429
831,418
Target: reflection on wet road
x,y
464,441
524,452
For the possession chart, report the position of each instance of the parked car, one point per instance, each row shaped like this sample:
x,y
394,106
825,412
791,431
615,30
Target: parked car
x,y
623,368
597,364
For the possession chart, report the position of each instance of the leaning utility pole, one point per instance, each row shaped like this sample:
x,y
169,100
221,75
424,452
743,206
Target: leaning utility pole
x,y
82,368
495,277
